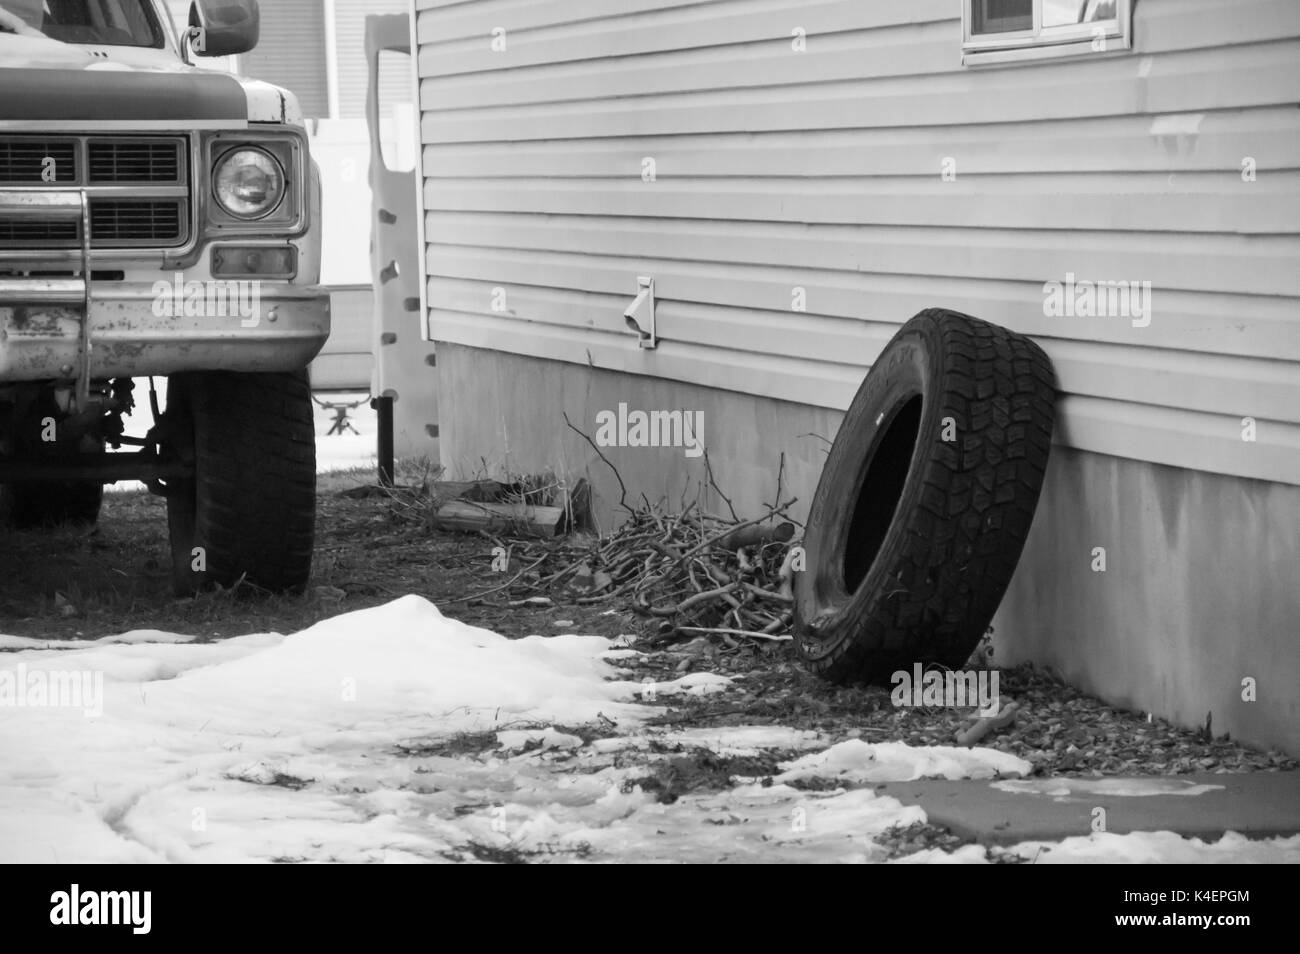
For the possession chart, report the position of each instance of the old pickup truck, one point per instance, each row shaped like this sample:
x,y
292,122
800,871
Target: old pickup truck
x,y
157,220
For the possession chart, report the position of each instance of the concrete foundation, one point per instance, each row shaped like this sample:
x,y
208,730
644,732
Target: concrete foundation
x,y
1200,594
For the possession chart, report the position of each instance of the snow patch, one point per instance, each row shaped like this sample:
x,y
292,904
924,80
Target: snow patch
x,y
310,747
745,740
858,761
694,684
1062,789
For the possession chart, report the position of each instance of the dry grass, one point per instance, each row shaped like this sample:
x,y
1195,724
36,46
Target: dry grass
x,y
85,584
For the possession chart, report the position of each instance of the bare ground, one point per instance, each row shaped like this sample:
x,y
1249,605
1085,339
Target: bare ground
x,y
374,547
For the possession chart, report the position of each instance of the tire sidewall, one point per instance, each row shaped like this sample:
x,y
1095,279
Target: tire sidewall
x,y
909,367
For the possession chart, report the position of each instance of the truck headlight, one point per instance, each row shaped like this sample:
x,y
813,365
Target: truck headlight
x,y
248,183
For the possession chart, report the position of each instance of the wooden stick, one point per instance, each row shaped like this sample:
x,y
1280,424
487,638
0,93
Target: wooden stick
x,y
480,490
986,725
781,623
755,536
622,499
713,540
768,594
507,583
691,601
734,632
786,575
510,519
708,470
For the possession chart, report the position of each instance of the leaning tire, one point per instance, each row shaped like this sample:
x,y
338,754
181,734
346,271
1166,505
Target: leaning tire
x,y
925,500
249,512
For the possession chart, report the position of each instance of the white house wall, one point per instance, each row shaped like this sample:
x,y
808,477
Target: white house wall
x,y
778,169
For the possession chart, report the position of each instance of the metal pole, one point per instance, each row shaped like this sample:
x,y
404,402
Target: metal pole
x,y
384,411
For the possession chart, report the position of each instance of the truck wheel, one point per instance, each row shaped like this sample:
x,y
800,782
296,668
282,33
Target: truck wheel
x,y
34,506
925,500
250,510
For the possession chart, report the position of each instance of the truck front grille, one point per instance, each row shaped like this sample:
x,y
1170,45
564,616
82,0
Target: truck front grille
x,y
117,161
134,222
138,187
24,233
29,160
114,223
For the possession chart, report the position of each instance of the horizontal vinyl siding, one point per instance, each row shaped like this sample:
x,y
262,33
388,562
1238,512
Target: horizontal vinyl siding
x,y
291,53
354,71
821,170
346,361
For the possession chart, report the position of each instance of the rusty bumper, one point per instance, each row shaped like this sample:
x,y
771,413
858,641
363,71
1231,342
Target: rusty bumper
x,y
138,329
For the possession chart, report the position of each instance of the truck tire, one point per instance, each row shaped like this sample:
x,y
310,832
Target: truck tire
x,y
36,506
925,500
249,512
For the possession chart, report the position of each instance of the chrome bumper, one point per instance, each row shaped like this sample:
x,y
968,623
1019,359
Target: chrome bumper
x,y
78,330
41,333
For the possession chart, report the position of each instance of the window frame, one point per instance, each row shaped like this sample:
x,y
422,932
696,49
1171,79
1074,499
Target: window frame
x,y
1040,42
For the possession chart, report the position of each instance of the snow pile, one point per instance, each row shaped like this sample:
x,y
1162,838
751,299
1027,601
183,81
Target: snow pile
x,y
398,735
196,738
858,761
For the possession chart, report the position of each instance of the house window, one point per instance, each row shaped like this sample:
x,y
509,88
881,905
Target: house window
x,y
1000,31
1001,16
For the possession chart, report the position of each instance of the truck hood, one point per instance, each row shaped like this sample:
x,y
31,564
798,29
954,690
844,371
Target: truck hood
x,y
45,80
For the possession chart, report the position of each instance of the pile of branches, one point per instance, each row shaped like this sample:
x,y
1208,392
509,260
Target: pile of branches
x,y
697,573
